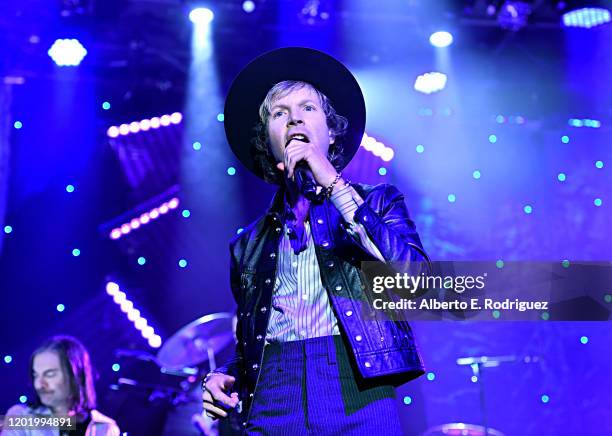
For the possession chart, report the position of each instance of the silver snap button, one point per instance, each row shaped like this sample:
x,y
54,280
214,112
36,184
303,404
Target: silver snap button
x,y
368,364
325,244
278,230
259,337
251,395
263,309
248,314
330,263
338,288
319,221
272,255
255,366
268,281
358,338
365,218
348,312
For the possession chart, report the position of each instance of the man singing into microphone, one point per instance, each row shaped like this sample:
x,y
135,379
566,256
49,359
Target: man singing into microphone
x,y
306,361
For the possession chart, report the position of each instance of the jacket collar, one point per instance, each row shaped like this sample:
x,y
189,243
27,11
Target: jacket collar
x,y
277,205
277,208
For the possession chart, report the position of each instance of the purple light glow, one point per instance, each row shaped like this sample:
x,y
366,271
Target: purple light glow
x,y
133,314
377,148
144,125
112,288
113,132
144,218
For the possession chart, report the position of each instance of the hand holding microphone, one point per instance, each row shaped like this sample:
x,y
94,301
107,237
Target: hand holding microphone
x,y
306,165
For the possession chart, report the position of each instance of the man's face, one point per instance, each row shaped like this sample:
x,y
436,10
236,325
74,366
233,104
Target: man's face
x,y
50,382
298,112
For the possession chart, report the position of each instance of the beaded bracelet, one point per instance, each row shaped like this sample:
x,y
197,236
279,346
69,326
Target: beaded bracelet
x,y
208,376
330,188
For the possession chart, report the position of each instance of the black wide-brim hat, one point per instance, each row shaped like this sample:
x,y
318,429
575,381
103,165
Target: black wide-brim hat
x,y
250,87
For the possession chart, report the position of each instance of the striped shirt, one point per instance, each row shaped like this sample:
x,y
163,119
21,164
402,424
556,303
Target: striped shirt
x,y
300,305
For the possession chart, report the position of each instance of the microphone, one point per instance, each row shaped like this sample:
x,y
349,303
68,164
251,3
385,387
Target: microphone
x,y
305,181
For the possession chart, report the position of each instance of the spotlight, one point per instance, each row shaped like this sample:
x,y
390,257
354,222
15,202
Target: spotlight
x,y
248,6
67,52
201,16
586,17
441,39
430,82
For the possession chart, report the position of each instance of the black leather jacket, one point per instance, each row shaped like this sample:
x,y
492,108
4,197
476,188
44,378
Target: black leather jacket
x,y
382,350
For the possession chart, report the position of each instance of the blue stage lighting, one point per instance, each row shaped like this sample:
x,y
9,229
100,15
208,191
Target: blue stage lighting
x,y
441,39
586,17
430,82
201,16
248,6
67,52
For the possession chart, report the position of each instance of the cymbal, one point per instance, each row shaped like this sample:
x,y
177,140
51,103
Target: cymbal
x,y
461,429
194,343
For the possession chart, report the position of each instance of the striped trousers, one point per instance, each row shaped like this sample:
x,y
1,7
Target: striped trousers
x,y
308,387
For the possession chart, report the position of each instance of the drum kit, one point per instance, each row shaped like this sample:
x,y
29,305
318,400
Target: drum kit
x,y
161,394
478,364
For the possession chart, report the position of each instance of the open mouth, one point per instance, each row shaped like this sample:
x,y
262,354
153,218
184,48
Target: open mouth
x,y
297,137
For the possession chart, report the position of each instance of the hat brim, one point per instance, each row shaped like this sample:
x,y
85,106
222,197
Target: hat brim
x,y
250,87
